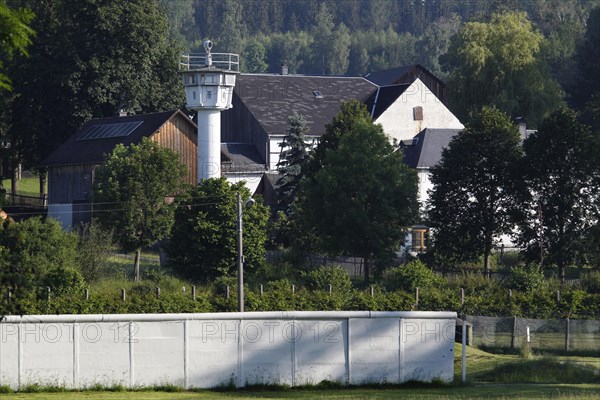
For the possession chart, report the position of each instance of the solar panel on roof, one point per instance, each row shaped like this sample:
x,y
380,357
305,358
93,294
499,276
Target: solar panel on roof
x,y
109,130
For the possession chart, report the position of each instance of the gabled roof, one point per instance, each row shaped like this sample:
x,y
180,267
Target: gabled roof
x,y
425,149
91,151
382,98
241,157
399,75
273,98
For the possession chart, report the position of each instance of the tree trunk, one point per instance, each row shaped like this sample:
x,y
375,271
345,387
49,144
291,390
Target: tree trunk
x,y
486,263
367,272
42,175
136,265
14,180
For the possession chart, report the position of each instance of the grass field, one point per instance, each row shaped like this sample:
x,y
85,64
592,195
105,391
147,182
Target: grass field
x,y
481,366
27,186
488,391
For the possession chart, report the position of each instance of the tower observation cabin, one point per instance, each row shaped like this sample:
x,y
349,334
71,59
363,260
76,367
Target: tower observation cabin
x,y
209,80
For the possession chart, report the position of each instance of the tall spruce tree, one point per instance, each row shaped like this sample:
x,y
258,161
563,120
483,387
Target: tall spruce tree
x,y
292,162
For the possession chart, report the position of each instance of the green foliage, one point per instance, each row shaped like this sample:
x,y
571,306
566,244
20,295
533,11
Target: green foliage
x,y
37,254
560,194
15,36
322,277
292,163
473,188
410,276
586,89
130,194
253,57
133,67
203,241
545,370
499,64
378,190
526,278
95,247
590,281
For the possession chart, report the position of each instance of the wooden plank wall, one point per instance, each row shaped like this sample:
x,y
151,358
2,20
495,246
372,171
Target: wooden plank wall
x,y
179,135
69,183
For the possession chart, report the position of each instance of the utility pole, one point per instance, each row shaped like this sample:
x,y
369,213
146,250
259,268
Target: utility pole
x,y
240,254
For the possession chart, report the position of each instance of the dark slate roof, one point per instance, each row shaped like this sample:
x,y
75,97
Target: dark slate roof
x,y
93,151
273,98
398,75
425,149
241,157
389,76
384,97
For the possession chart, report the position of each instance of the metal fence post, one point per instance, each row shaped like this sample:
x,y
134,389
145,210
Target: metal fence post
x,y
514,333
567,333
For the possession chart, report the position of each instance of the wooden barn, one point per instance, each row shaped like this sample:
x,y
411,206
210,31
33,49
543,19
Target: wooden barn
x,y
71,167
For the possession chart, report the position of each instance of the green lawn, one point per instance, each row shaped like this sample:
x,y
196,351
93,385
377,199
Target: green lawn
x,y
26,186
512,392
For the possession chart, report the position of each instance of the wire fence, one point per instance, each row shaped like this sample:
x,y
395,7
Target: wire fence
x,y
553,335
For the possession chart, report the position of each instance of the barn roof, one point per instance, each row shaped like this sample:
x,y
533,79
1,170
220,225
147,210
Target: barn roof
x,y
400,75
98,137
273,98
425,149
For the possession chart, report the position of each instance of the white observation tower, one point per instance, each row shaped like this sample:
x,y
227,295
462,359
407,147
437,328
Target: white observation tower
x,y
208,81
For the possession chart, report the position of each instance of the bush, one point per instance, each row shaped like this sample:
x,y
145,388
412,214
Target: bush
x,y
410,276
322,277
526,278
95,248
590,281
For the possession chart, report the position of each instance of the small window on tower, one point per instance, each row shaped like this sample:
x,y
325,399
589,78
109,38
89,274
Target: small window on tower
x,y
418,113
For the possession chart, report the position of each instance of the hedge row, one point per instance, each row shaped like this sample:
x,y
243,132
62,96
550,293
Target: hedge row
x,y
573,303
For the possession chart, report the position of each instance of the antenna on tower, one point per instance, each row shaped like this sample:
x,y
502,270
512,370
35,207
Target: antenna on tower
x,y
208,44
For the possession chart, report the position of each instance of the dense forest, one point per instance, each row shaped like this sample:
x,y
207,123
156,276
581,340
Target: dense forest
x,y
355,37
358,36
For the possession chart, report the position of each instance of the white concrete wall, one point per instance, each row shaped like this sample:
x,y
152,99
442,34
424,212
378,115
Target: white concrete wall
x,y
252,179
398,121
208,350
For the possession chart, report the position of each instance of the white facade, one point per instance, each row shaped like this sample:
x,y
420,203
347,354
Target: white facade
x,y
398,119
209,350
251,179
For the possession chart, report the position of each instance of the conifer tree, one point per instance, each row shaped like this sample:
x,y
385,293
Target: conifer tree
x,y
291,165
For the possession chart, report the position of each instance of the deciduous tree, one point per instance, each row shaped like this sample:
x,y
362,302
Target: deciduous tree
x,y
499,64
203,241
89,59
472,193
131,195
363,198
559,204
15,37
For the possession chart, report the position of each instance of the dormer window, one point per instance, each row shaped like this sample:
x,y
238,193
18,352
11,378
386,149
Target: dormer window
x,y
418,113
318,94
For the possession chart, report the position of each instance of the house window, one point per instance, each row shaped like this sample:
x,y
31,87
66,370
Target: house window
x,y
418,113
418,239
